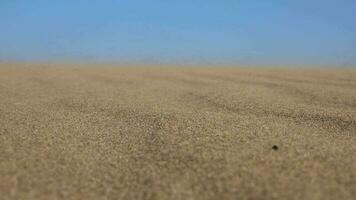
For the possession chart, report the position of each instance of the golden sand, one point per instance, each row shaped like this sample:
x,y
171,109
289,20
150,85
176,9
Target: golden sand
x,y
103,132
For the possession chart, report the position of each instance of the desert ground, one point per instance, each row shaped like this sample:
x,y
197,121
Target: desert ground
x,y
176,132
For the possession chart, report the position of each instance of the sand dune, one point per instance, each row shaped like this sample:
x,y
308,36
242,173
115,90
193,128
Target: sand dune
x,y
101,132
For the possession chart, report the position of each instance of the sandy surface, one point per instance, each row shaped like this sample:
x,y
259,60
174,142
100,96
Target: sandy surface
x,y
76,132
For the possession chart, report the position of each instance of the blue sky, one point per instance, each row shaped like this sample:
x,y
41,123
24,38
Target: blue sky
x,y
189,31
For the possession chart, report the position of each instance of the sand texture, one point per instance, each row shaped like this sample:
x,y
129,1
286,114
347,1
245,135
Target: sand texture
x,y
103,132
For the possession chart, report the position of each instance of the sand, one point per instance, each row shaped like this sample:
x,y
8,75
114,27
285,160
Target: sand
x,y
105,132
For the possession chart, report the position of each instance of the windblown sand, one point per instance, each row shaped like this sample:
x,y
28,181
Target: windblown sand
x,y
100,132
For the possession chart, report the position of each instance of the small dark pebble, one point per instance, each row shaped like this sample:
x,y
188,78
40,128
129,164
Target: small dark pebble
x,y
275,147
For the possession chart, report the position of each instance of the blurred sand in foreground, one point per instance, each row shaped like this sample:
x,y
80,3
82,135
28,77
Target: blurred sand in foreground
x,y
104,132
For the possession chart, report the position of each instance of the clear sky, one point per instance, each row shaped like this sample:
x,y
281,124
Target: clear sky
x,y
190,31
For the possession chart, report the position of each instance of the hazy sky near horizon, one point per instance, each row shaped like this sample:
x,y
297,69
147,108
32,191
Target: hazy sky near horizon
x,y
190,31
